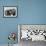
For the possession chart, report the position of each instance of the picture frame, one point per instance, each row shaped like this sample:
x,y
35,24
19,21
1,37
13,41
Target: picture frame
x,y
10,11
41,28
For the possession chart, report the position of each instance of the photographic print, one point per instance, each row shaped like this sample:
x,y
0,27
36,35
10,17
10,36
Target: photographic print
x,y
32,32
10,11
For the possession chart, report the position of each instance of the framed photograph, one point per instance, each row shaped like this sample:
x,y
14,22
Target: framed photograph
x,y
10,11
32,32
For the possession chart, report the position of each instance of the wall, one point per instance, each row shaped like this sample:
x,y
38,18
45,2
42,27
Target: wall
x,y
29,12
32,11
7,25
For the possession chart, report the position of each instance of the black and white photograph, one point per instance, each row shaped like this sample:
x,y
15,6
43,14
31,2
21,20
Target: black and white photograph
x,y
29,34
10,11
